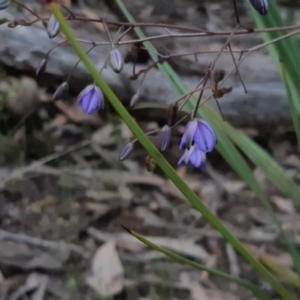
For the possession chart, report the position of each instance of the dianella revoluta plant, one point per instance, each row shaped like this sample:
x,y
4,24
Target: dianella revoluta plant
x,y
204,129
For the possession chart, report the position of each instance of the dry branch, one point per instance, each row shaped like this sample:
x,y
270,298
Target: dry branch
x,y
22,48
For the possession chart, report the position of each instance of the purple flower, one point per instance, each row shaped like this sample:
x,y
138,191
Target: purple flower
x,y
4,4
91,98
261,6
200,133
193,155
53,27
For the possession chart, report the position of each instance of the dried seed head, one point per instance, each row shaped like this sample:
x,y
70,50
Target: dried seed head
x,y
261,6
126,150
222,91
61,92
116,60
218,75
53,27
41,67
135,98
4,4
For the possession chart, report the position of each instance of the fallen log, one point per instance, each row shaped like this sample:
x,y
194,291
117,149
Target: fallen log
x,y
22,48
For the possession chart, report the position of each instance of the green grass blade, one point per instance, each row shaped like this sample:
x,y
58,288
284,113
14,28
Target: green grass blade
x,y
159,158
182,260
293,97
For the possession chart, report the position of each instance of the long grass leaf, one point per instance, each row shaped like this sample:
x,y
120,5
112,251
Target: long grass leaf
x,y
180,259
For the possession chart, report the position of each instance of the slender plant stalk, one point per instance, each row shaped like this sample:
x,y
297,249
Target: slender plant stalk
x,y
256,291
158,157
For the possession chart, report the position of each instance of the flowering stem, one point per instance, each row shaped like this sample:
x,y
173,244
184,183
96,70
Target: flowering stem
x,y
159,158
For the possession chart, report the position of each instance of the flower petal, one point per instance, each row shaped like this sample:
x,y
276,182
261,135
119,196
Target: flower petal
x,y
61,92
205,137
197,157
184,157
91,99
261,6
4,4
189,133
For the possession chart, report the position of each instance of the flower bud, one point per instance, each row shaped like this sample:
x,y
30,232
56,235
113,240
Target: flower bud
x,y
165,137
61,92
116,60
41,67
261,6
126,150
218,75
90,99
4,4
135,98
53,27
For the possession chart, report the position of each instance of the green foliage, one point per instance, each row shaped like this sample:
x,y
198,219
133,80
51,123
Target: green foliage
x,y
284,54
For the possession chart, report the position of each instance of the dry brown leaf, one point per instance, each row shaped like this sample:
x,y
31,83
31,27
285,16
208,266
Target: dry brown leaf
x,y
99,209
107,277
66,3
103,136
91,15
197,291
58,121
123,240
284,205
234,186
75,113
101,196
